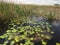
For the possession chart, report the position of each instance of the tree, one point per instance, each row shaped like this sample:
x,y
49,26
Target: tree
x,y
57,5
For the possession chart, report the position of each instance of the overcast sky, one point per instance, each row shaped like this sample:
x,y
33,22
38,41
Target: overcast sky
x,y
39,2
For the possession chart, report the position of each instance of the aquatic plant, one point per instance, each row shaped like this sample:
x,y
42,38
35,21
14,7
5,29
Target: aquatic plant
x,y
39,32
57,43
49,15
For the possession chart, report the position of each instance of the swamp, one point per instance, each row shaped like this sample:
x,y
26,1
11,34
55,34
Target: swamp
x,y
27,24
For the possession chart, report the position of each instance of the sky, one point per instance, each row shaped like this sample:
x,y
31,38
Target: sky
x,y
38,2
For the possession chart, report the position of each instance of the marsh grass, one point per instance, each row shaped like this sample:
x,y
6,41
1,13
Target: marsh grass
x,y
18,12
11,11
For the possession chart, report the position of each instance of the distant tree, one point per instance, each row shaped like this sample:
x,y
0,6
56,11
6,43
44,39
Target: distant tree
x,y
57,5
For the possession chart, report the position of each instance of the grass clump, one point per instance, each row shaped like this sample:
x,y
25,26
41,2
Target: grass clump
x,y
49,16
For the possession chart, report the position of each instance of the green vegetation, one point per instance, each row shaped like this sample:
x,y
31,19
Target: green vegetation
x,y
10,11
27,33
14,14
57,43
49,16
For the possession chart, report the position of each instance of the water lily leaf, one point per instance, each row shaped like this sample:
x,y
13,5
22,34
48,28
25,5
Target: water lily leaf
x,y
27,42
38,26
31,32
48,30
16,38
40,22
12,42
21,43
2,36
14,25
8,31
42,35
44,43
50,26
9,38
14,30
1,44
25,33
27,27
6,42
41,31
52,32
47,23
23,36
47,37
57,43
22,29
32,38
31,43
38,34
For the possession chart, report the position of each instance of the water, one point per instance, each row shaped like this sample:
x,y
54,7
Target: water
x,y
36,19
55,27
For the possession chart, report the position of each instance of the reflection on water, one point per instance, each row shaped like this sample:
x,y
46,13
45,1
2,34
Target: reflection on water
x,y
56,23
55,27
34,19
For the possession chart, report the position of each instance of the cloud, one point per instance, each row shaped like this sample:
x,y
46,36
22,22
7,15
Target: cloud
x,y
39,2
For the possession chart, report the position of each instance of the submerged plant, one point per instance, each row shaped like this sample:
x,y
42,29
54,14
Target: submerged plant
x,y
38,32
